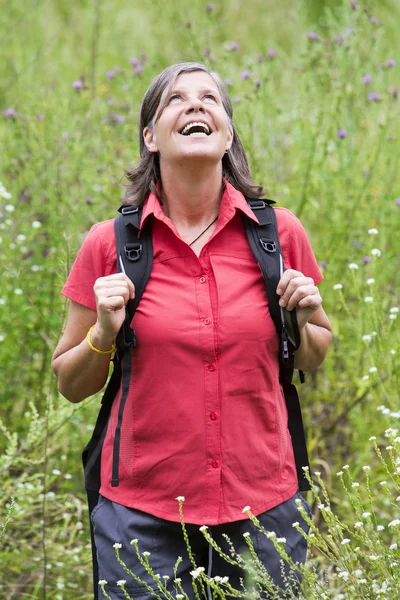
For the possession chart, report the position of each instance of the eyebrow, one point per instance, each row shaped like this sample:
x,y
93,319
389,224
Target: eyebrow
x,y
202,91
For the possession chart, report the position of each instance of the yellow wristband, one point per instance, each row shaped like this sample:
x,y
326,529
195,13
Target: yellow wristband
x,y
89,341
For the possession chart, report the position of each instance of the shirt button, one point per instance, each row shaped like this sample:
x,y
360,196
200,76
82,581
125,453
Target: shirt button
x,y
215,464
207,321
211,367
213,416
202,279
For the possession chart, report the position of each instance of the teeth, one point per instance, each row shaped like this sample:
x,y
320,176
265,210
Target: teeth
x,y
198,124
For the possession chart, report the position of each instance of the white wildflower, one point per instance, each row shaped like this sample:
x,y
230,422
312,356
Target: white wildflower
x,y
225,579
180,498
372,370
345,541
271,534
372,438
376,252
146,553
353,266
358,524
203,528
393,546
365,377
21,237
134,542
339,473
355,484
374,557
392,351
103,581
366,468
56,472
368,299
337,286
367,337
346,467
295,524
373,231
370,281
380,528
246,509
9,208
394,309
36,224
121,582
197,572
281,540
18,292
358,572
394,523
117,545
365,515
246,534
343,575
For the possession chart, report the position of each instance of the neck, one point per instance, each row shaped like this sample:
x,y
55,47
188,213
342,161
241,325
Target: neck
x,y
191,198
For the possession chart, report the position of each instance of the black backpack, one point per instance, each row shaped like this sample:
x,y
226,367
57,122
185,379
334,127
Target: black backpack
x,y
135,257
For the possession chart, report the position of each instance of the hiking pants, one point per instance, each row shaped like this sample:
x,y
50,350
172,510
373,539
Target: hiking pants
x,y
165,542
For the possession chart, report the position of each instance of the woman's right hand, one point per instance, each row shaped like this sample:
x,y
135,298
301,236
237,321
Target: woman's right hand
x,y
112,293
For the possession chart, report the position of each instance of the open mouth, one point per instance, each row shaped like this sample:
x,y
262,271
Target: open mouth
x,y
196,129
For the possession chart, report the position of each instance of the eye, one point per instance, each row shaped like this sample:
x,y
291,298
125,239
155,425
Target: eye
x,y
174,97
210,96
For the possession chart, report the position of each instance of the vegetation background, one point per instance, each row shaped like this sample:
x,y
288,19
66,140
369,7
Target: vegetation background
x,y
315,92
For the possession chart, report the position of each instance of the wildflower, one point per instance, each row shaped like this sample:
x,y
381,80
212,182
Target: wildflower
x,y
210,6
373,231
372,438
345,541
367,79
394,309
271,534
346,467
295,524
21,237
323,264
365,515
117,546
102,582
206,51
77,85
281,540
311,35
383,483
245,75
372,369
366,260
392,351
234,46
179,597
373,19
353,266
228,82
18,292
368,299
36,224
341,133
134,62
271,52
121,582
380,528
374,557
110,74
397,201
56,472
367,337
246,509
355,484
197,572
373,97
146,553
393,546
358,524
376,252
394,523
9,208
337,286
358,572
391,62
203,528
370,281
246,534
366,468
180,498
339,474
138,70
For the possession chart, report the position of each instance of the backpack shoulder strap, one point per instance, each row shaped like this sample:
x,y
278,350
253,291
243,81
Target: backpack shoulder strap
x,y
264,242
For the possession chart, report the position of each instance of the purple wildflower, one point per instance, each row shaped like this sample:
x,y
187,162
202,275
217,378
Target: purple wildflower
x,y
271,52
28,154
373,19
78,85
40,116
312,35
391,62
210,6
349,31
339,38
260,58
356,243
235,99
228,82
258,83
65,135
245,75
88,200
323,264
9,112
119,118
125,87
341,133
143,57
234,46
395,93
134,62
367,79
353,4
373,96
366,260
110,74
138,70
206,51
116,68
397,202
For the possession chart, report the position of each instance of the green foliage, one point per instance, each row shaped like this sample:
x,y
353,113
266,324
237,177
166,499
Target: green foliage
x,y
322,146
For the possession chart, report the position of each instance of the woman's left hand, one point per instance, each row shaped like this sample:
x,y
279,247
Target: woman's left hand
x,y
297,290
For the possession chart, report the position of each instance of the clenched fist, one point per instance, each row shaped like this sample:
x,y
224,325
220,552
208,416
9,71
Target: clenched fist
x,y
112,293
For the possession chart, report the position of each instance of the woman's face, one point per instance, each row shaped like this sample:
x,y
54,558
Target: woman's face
x,y
194,99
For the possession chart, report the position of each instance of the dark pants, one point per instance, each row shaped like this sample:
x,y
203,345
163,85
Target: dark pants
x,y
164,540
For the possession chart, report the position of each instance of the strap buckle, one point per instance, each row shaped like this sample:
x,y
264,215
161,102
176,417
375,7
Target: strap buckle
x,y
256,204
129,210
268,245
133,251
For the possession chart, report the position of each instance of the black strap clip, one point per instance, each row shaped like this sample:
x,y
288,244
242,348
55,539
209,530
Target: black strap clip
x,y
256,204
129,210
268,245
133,251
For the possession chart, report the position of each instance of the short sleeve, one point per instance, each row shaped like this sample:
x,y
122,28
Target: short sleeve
x,y
295,245
96,258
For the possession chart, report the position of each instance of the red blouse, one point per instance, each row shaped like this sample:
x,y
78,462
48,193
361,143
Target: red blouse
x,y
205,417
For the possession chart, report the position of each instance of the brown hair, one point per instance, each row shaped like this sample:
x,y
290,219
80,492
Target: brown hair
x,y
144,176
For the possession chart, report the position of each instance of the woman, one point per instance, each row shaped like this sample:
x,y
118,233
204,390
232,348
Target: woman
x,y
205,416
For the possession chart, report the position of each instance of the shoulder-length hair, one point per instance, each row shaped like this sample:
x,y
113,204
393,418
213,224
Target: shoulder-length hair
x,y
144,176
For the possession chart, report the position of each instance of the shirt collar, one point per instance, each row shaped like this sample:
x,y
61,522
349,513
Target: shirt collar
x,y
232,200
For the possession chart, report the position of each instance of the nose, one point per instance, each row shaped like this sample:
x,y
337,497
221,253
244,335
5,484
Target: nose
x,y
194,105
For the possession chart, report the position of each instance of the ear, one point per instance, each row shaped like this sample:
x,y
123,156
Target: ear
x,y
149,138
